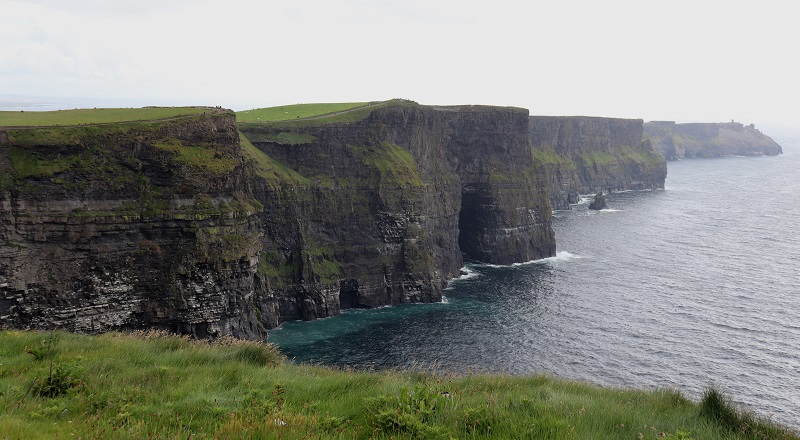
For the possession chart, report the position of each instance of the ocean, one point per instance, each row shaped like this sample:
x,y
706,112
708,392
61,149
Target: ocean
x,y
685,288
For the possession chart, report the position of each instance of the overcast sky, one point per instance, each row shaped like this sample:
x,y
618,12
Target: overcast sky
x,y
680,60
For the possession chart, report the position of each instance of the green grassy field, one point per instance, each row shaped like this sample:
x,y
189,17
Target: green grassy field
x,y
152,385
288,112
92,116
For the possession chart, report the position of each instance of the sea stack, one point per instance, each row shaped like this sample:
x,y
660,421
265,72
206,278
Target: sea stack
x,y
599,202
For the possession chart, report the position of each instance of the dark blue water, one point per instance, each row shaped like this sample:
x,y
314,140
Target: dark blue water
x,y
684,288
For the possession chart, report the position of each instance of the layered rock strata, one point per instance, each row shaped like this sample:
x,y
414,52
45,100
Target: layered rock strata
x,y
387,202
185,224
128,225
586,155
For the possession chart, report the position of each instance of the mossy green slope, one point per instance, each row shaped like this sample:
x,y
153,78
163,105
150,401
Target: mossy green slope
x,y
269,169
394,164
93,116
200,156
159,386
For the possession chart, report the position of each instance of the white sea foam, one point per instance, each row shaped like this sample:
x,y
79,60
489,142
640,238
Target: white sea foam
x,y
610,210
445,300
467,274
561,256
621,191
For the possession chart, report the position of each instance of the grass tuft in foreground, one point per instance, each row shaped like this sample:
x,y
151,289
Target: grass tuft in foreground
x,y
715,406
156,385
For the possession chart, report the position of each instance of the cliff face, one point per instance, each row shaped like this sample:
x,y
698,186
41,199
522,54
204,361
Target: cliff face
x,y
385,204
704,140
582,155
127,225
184,224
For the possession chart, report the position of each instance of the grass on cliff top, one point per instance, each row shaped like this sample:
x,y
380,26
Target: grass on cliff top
x,y
153,385
288,112
309,115
93,116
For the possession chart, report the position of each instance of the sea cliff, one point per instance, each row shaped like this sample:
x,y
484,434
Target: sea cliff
x,y
389,199
199,226
582,155
705,140
128,225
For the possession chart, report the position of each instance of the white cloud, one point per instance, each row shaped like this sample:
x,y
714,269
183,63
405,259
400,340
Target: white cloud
x,y
708,60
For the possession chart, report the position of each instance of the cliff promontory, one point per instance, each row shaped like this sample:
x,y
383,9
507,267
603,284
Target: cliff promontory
x,y
191,223
387,200
582,155
705,140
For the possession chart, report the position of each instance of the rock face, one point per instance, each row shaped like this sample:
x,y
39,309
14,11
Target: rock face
x,y
599,202
705,140
183,224
583,155
129,225
386,203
